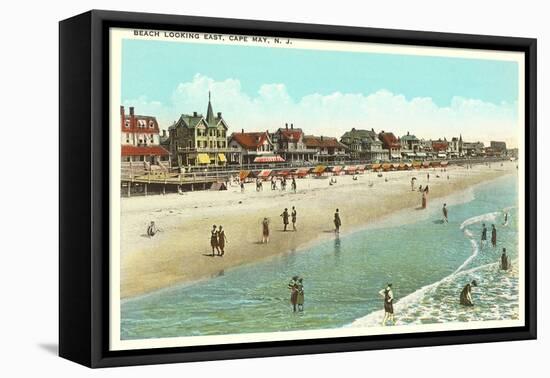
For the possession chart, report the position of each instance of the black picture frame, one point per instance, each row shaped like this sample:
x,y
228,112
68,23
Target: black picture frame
x,y
84,195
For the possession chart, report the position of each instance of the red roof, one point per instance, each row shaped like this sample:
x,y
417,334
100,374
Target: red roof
x,y
322,142
269,159
290,134
129,150
250,140
138,123
440,145
389,140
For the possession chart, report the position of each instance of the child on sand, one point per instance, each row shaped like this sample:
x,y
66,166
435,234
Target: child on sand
x,y
152,230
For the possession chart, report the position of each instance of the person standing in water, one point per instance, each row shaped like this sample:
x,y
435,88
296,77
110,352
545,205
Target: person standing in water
x,y
300,297
494,236
214,240
504,260
284,215
466,294
337,221
425,193
293,287
445,213
265,231
293,214
387,293
483,235
221,241
505,219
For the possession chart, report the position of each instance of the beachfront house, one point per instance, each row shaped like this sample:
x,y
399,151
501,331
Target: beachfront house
x,y
364,145
199,141
390,143
473,149
410,145
455,147
252,148
327,149
498,149
440,148
289,144
140,142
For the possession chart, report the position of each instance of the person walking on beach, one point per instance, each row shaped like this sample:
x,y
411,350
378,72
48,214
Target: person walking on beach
x,y
284,215
337,221
466,294
273,184
494,236
152,229
265,231
505,263
214,240
293,185
483,235
293,214
222,239
428,176
300,297
413,181
445,213
293,287
242,186
387,293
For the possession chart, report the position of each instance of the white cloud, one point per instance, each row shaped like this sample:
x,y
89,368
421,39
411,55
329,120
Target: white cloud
x,y
335,113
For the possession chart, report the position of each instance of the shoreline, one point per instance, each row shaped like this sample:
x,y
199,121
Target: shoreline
x,y
178,255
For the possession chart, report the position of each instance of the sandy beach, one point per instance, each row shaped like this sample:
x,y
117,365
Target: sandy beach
x,y
180,253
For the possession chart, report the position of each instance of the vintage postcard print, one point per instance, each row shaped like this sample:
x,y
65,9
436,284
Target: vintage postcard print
x,y
269,189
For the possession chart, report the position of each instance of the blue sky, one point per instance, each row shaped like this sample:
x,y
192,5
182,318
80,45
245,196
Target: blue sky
x,y
155,73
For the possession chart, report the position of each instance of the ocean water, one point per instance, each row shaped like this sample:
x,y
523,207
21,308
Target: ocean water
x,y
428,262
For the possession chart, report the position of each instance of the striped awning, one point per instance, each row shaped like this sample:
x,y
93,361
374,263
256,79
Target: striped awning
x,y
336,169
269,159
203,159
265,173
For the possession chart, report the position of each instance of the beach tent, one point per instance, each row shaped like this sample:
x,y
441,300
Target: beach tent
x,y
408,166
318,170
217,186
386,166
243,175
301,172
416,164
434,164
396,166
444,163
426,164
376,167
350,169
360,168
283,173
264,173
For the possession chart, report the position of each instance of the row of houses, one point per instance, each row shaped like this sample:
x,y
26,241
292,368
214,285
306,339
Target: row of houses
x,y
204,140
